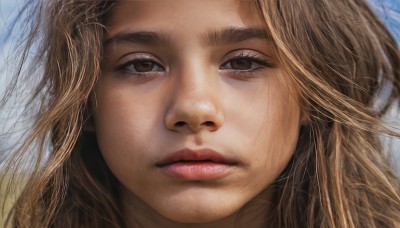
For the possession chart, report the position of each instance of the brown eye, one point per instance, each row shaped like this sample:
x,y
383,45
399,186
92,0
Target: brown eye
x,y
143,66
241,64
140,66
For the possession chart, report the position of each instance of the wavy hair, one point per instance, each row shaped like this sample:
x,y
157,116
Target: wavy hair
x,y
339,55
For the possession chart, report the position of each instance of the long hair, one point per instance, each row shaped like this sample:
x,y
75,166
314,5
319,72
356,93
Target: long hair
x,y
339,55
342,58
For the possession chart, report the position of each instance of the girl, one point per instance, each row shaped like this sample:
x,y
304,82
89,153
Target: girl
x,y
227,113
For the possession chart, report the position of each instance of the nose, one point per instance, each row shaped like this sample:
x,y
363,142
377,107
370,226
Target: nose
x,y
195,107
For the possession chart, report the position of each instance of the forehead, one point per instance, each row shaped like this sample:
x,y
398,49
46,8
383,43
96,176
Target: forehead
x,y
185,15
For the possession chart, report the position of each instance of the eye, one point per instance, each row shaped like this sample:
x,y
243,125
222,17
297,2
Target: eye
x,y
241,64
140,64
246,62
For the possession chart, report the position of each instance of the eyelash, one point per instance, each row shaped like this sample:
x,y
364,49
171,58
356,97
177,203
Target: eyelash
x,y
253,59
123,68
261,63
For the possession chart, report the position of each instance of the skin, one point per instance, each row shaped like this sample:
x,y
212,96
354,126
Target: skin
x,y
192,93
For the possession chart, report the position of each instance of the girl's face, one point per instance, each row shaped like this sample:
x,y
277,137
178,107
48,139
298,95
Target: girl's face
x,y
194,114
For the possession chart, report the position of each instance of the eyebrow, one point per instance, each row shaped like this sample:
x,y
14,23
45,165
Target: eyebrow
x,y
141,37
227,35
235,35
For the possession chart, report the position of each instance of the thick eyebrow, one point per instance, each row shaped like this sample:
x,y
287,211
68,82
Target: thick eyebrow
x,y
141,37
213,38
235,35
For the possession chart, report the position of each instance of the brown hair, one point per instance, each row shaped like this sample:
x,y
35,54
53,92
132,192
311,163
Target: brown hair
x,y
341,57
338,53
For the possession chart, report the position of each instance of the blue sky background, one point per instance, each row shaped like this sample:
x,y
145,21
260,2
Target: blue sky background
x,y
8,11
389,10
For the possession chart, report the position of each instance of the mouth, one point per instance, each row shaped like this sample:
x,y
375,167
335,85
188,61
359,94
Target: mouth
x,y
203,164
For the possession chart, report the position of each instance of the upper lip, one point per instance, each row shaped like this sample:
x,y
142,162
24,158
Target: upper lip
x,y
187,155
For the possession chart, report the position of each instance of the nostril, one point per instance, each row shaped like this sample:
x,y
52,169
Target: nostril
x,y
180,124
209,124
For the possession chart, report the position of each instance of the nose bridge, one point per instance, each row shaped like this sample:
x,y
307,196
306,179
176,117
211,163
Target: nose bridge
x,y
195,103
194,85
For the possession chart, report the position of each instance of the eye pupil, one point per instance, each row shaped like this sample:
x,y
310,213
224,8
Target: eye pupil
x,y
241,64
144,66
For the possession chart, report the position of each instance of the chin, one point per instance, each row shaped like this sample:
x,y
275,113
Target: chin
x,y
195,216
198,210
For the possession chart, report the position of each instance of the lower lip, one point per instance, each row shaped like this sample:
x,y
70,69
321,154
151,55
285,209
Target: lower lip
x,y
197,170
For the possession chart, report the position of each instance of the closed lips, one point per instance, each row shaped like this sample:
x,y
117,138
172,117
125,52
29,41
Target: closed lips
x,y
195,156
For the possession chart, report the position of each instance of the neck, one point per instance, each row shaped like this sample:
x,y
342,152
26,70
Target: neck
x,y
254,214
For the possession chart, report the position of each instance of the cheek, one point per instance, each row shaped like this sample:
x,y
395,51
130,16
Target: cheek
x,y
272,128
119,123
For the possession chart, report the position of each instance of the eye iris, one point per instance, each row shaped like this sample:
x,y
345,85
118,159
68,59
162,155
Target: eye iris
x,y
241,64
144,66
